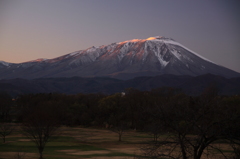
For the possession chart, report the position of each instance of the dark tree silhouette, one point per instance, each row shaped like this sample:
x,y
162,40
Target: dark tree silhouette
x,y
6,127
113,112
192,125
5,130
40,124
5,106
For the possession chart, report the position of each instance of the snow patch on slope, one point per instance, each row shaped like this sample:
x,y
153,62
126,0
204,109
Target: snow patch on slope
x,y
157,52
162,62
170,41
176,54
74,53
178,44
5,63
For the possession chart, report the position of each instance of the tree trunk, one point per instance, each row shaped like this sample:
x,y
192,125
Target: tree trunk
x,y
40,155
40,150
195,152
183,150
200,151
154,137
120,137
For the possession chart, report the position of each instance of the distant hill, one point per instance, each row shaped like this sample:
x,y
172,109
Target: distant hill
x,y
188,84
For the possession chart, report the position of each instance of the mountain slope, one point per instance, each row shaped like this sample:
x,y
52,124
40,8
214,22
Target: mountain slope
x,y
123,60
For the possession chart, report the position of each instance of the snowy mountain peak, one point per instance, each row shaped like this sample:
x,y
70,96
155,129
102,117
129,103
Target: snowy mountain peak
x,y
124,60
155,37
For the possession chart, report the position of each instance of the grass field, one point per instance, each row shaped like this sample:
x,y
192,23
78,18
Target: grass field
x,y
75,143
78,143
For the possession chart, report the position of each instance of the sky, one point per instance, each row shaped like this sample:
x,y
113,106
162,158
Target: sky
x,y
32,29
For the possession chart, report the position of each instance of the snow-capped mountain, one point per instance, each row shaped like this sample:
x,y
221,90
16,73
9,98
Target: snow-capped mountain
x,y
123,60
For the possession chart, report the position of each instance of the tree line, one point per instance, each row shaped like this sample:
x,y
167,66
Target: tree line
x,y
182,126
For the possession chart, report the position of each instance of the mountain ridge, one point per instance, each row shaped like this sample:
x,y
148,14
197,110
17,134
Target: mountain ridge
x,y
74,85
123,60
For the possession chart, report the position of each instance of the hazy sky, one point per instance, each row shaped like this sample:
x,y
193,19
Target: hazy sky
x,y
31,29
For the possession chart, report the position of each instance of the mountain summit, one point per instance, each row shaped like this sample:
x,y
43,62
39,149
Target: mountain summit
x,y
124,60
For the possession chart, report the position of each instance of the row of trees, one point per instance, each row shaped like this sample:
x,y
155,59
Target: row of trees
x,y
182,126
193,125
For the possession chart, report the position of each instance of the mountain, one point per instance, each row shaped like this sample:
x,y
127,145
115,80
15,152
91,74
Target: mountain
x,y
73,85
123,60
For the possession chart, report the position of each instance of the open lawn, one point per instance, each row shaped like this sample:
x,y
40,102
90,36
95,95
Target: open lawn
x,y
75,143
80,143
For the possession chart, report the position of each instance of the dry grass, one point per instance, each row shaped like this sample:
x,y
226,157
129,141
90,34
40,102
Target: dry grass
x,y
83,143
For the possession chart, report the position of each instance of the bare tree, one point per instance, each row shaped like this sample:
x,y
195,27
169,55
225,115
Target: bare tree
x,y
119,128
192,126
5,130
40,124
113,112
154,129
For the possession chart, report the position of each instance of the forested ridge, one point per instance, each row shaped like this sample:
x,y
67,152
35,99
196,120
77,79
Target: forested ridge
x,y
188,84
